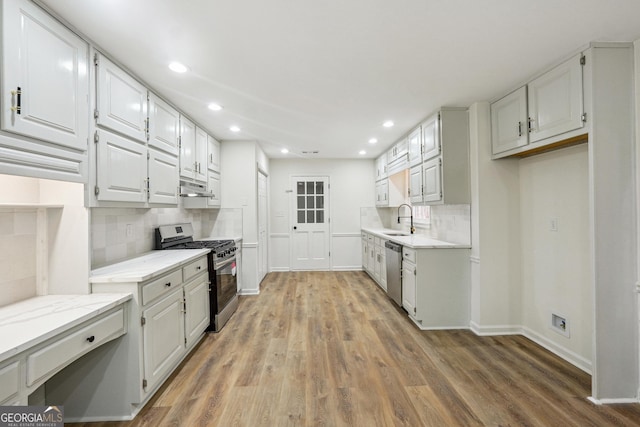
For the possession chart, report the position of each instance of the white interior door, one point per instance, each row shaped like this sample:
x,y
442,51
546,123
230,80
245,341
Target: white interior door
x,y
262,226
310,223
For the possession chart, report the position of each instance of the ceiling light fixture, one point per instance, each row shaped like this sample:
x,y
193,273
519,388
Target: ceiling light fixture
x,y
388,124
215,107
373,141
362,152
178,67
234,129
284,151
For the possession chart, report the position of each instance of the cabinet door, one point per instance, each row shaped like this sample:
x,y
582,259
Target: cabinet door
x,y
45,86
121,174
164,125
383,268
163,177
382,193
196,296
365,254
214,188
430,138
163,337
509,122
187,148
121,101
409,287
415,147
201,155
431,182
555,101
381,167
214,154
415,184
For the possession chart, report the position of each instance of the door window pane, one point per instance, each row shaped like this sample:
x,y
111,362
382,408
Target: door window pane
x,y
301,217
309,187
310,217
319,217
310,202
319,187
320,202
300,187
300,202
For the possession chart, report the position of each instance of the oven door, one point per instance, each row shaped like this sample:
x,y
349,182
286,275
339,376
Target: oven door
x,y
226,282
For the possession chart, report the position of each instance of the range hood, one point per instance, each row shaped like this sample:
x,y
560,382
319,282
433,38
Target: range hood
x,y
191,189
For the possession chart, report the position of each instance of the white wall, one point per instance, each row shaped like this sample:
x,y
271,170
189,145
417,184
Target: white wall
x,y
352,187
495,227
556,265
637,99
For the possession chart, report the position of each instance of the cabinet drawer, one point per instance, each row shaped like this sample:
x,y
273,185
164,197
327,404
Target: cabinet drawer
x,y
370,238
364,236
57,355
161,286
409,254
193,269
378,241
10,380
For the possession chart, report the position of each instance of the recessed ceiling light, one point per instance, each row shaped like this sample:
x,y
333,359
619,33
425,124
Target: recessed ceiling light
x,y
362,152
215,107
234,129
388,124
178,67
284,151
373,141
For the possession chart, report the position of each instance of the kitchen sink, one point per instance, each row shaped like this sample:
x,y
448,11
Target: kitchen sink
x,y
396,234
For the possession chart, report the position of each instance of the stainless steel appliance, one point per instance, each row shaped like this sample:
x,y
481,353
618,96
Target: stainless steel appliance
x,y
223,298
393,252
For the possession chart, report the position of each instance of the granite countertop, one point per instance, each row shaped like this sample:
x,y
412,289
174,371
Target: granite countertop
x,y
30,322
145,267
415,241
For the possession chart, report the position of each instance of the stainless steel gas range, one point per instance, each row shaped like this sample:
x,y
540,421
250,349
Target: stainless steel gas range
x,y
223,298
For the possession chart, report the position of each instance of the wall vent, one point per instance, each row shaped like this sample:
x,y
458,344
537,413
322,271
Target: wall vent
x,y
311,152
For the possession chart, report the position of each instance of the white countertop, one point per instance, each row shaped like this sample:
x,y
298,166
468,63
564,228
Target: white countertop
x,y
415,241
28,323
145,267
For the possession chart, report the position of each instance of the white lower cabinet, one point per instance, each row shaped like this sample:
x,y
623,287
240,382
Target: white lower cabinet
x,y
374,260
168,315
10,380
435,287
163,337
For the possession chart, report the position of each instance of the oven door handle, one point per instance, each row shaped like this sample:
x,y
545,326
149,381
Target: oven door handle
x,y
218,265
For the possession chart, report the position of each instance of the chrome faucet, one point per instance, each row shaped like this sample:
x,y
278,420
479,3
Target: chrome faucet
x,y
412,229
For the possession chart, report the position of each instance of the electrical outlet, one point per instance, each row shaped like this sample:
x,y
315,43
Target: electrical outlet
x,y
129,230
553,224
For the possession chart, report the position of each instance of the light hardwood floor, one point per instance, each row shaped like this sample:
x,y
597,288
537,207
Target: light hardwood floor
x,y
330,349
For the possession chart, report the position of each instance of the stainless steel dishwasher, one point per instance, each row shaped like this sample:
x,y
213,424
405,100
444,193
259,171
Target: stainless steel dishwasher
x,y
393,252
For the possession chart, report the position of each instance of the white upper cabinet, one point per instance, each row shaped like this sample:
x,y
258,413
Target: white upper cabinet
x,y
431,180
213,162
164,125
45,86
509,121
121,101
415,184
381,167
547,110
555,101
121,168
398,157
414,141
431,137
202,141
163,177
187,148
214,188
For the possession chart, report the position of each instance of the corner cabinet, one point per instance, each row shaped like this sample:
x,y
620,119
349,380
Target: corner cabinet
x,y
443,178
548,109
45,114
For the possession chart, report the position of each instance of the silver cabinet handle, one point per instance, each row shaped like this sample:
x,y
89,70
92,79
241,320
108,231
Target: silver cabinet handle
x,y
519,128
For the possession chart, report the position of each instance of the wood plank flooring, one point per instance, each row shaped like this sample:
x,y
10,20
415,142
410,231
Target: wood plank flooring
x,y
330,349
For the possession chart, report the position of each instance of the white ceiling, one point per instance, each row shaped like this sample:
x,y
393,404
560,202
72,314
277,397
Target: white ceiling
x,y
325,74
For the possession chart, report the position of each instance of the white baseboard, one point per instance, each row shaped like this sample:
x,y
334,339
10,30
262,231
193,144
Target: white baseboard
x,y
438,328
280,269
346,268
568,355
249,292
611,401
487,331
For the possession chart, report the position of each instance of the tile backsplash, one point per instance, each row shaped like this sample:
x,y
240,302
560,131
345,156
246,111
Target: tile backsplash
x,y
120,233
18,256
